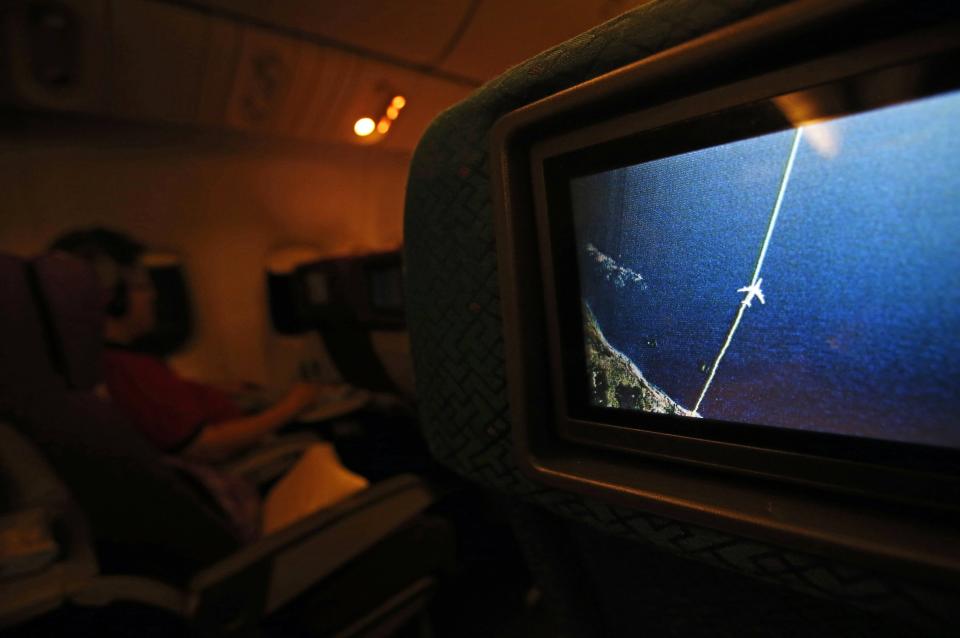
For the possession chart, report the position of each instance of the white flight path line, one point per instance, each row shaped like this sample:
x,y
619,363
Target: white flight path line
x,y
756,270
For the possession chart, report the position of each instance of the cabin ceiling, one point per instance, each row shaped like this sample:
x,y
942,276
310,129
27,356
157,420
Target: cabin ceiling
x,y
294,69
471,40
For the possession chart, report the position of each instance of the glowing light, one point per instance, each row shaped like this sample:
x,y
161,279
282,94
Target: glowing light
x,y
825,139
383,125
392,112
364,126
398,102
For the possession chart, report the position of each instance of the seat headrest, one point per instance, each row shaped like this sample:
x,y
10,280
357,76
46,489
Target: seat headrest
x,y
131,497
73,299
24,358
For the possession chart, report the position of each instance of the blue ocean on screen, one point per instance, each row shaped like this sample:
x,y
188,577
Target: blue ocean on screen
x,y
805,279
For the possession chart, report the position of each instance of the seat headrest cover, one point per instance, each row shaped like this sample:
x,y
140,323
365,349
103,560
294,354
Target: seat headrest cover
x,y
74,299
130,496
24,360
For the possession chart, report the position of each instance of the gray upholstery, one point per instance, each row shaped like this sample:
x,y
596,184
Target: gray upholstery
x,y
454,315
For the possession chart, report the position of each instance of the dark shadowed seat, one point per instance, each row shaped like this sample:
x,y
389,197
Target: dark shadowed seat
x,y
158,542
134,502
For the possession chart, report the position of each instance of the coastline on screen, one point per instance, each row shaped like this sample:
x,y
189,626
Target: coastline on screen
x,y
805,279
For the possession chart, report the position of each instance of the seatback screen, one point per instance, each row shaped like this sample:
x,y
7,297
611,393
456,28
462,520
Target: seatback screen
x,y
386,287
805,279
317,287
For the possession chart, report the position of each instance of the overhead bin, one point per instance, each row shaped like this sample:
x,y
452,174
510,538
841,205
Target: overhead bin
x,y
55,59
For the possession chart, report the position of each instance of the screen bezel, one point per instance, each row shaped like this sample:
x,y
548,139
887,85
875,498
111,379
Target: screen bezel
x,y
746,447
382,317
336,307
646,466
870,514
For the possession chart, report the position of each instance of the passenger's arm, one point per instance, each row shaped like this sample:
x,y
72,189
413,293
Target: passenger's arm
x,y
218,441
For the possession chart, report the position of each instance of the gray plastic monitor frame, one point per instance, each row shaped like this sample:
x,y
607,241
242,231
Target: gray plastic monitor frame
x,y
831,507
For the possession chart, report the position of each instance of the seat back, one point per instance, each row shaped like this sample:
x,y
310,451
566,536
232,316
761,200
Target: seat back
x,y
651,580
329,296
69,293
174,306
144,517
24,362
45,546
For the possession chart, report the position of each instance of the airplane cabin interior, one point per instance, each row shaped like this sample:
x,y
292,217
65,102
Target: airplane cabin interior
x,y
583,318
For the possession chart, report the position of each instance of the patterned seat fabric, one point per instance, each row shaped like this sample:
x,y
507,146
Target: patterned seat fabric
x,y
453,311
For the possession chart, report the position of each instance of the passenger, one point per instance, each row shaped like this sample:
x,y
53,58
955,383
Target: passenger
x,y
196,422
177,415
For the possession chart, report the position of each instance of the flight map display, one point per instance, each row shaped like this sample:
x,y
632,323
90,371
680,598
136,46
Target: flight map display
x,y
806,279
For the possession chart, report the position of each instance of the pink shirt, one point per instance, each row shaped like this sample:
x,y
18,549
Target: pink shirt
x,y
169,410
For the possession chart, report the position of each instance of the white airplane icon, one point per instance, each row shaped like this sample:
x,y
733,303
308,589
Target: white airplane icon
x,y
752,291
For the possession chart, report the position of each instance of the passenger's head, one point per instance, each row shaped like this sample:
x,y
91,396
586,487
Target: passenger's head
x,y
117,261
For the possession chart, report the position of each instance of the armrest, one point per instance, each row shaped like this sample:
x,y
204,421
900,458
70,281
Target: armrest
x,y
26,542
260,578
31,485
272,459
103,590
336,408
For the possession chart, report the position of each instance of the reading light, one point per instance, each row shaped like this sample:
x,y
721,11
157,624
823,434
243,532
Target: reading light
x,y
375,129
364,126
